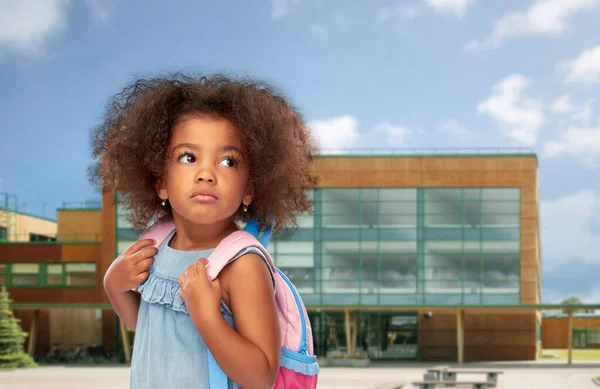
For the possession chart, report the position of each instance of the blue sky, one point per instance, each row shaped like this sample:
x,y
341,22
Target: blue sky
x,y
404,73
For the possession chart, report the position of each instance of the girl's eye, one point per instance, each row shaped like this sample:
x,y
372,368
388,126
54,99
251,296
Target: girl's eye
x,y
229,162
187,158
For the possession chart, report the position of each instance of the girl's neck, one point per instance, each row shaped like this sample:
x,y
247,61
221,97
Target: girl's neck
x,y
194,237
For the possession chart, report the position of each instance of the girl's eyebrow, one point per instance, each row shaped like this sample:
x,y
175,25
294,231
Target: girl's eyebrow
x,y
186,145
230,148
220,149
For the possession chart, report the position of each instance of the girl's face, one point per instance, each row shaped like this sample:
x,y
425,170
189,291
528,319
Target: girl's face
x,y
206,176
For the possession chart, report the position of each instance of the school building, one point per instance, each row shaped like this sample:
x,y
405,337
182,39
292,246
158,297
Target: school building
x,y
431,257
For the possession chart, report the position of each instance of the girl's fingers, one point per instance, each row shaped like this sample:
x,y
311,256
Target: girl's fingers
x,y
203,261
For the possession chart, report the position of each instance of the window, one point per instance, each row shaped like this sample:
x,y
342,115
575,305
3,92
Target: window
x,y
48,275
41,238
54,274
25,274
80,274
3,234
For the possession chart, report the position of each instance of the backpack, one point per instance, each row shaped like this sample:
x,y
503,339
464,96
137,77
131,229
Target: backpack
x,y
298,365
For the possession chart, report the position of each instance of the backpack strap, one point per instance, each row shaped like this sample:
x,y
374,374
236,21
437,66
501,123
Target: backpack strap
x,y
229,248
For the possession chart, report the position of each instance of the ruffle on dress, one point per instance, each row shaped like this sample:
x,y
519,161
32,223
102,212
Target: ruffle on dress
x,y
162,289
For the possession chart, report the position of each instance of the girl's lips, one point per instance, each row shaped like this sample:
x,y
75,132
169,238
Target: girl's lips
x,y
203,193
204,198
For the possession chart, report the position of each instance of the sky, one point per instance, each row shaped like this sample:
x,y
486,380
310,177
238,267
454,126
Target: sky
x,y
365,74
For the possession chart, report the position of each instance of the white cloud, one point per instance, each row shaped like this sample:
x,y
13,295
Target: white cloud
x,y
102,10
585,68
339,135
579,138
282,8
584,116
544,17
567,228
335,134
394,135
518,115
579,142
457,7
26,26
398,12
562,104
454,128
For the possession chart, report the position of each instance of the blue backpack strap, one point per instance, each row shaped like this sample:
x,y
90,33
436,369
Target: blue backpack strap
x,y
253,228
216,377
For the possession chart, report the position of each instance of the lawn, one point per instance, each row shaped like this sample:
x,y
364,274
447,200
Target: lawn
x,y
578,355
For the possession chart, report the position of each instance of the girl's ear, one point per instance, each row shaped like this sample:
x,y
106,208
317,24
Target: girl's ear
x,y
249,195
161,190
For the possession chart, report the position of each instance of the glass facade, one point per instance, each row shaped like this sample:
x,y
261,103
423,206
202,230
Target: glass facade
x,y
399,246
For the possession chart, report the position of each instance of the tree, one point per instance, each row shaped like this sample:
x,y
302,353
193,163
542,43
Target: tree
x,y
574,300
12,352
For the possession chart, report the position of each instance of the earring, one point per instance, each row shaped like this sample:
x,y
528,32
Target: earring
x,y
164,202
245,208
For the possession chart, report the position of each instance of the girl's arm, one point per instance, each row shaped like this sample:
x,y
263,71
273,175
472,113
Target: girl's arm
x,y
126,272
126,305
250,354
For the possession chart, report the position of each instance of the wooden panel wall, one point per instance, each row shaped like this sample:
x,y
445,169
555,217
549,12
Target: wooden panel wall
x,y
497,335
39,252
555,331
81,252
42,343
437,335
49,253
79,221
70,327
54,295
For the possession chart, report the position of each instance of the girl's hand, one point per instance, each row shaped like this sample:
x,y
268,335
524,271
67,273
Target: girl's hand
x,y
202,298
131,268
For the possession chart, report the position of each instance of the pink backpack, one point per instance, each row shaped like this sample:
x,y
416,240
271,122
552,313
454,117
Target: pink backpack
x,y
298,366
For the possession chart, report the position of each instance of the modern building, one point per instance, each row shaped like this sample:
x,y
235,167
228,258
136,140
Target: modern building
x,y
408,257
18,226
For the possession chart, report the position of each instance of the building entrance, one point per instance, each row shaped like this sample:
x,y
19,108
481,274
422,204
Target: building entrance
x,y
380,335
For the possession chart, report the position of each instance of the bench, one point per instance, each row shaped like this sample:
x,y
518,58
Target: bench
x,y
491,375
446,384
435,373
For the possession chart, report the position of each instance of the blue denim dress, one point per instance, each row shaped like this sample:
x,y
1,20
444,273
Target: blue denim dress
x,y
168,351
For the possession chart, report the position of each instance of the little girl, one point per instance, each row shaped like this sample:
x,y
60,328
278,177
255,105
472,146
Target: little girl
x,y
210,152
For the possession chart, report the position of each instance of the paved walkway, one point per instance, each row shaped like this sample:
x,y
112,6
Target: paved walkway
x,y
547,376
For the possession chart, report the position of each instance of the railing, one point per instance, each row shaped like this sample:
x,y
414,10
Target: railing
x,y
82,205
57,239
426,151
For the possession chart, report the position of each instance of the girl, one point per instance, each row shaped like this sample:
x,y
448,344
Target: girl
x,y
211,152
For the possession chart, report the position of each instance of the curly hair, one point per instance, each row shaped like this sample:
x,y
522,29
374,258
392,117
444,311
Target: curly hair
x,y
130,146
